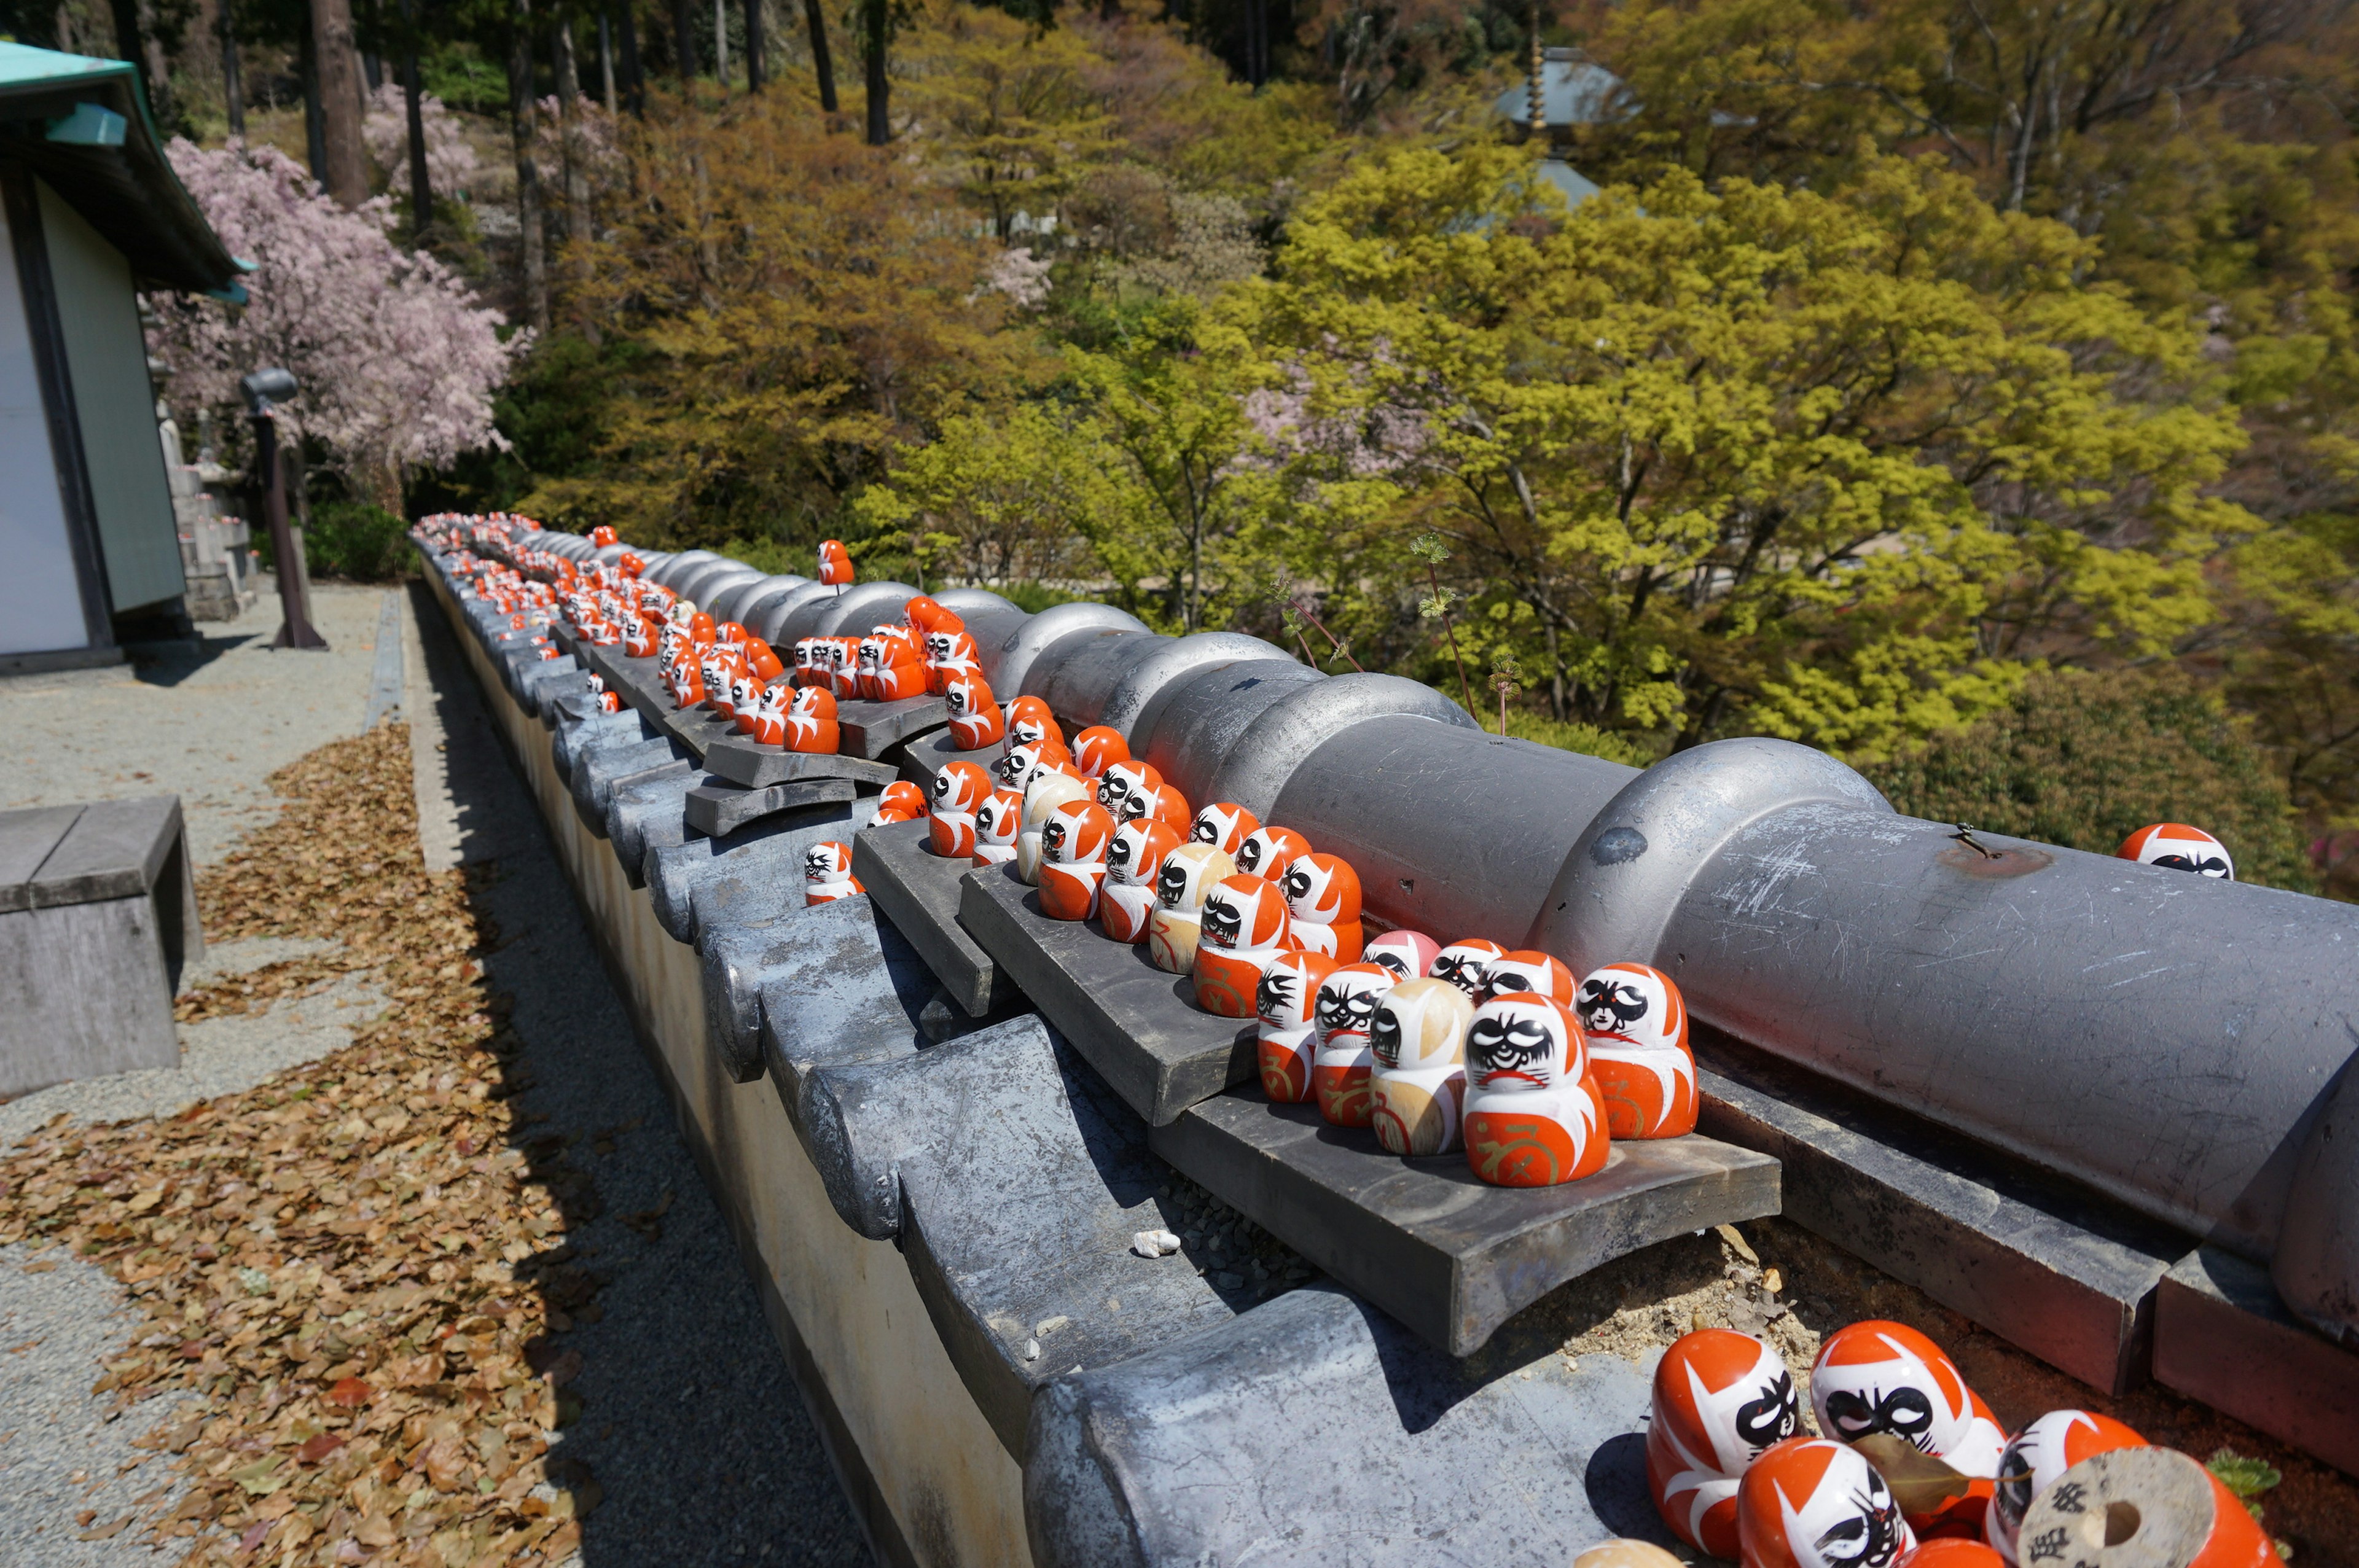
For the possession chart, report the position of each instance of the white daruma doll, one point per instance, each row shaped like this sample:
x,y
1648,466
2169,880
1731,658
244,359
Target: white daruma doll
x,y
1418,1038
1073,859
1133,860
1466,964
1408,953
1042,796
1322,899
960,790
1174,929
2036,1459
1347,1012
997,823
976,720
827,874
1721,1400
1223,826
1268,852
1880,1377
1244,931
1637,1025
1534,1117
1809,1503
1288,1005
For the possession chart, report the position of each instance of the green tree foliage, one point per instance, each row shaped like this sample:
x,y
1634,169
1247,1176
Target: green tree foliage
x,y
2085,760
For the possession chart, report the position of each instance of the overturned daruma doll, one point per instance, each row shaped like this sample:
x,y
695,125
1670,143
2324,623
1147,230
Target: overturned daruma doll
x,y
1418,1040
1175,925
1637,1025
1323,899
1721,1399
998,822
1347,1004
1809,1503
1533,1115
901,802
2176,847
827,874
1880,1377
1073,859
2036,1459
1244,931
975,721
960,790
1133,860
1287,1045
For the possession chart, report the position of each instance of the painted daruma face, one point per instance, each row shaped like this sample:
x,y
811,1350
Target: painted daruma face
x,y
1135,855
1026,761
1243,914
1029,719
2176,847
1421,1024
1466,964
1528,971
1408,953
1223,825
1121,780
1188,874
1524,1041
998,822
1288,997
1877,1376
1633,1004
1268,852
2036,1459
1346,1007
1322,888
1809,1503
1721,1400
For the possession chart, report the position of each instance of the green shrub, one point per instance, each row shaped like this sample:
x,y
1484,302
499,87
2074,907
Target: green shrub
x,y
354,540
1035,597
1569,735
2085,760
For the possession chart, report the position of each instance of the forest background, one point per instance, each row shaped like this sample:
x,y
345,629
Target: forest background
x,y
1966,386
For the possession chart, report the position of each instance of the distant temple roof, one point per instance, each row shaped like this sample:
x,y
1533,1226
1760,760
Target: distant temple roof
x,y
1574,92
83,124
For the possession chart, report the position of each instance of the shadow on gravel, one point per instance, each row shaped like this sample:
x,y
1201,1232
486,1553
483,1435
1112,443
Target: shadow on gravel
x,y
169,663
676,1400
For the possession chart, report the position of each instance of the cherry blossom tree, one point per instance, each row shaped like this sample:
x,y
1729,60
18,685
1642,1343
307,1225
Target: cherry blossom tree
x,y
451,162
398,360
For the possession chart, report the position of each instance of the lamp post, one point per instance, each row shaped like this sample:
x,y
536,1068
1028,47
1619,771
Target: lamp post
x,y
262,389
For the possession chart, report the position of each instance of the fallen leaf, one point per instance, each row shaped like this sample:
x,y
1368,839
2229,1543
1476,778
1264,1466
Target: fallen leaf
x,y
46,1266
352,1394
1920,1484
104,1531
320,1447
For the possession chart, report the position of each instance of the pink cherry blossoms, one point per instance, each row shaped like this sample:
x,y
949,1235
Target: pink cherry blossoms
x,y
397,360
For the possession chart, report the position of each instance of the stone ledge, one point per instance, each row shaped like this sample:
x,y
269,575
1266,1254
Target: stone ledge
x,y
871,729
2221,1336
919,890
756,766
718,809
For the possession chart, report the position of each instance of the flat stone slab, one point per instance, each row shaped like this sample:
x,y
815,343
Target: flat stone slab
x,y
2221,1336
717,810
922,757
872,728
2068,1277
1449,1255
918,891
1139,1027
756,766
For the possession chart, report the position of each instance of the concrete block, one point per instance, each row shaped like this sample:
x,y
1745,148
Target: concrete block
x,y
1013,1183
1137,1026
646,811
2221,1336
1449,1255
1315,1430
2066,1275
872,728
717,808
840,986
753,766
919,890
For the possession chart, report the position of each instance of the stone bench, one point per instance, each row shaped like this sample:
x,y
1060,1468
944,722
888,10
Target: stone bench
x,y
98,916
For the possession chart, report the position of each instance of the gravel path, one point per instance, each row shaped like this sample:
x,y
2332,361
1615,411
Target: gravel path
x,y
208,728
690,1423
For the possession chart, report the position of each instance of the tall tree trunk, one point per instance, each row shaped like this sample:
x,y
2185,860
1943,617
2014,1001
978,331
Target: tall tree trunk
x,y
577,170
421,183
339,100
823,63
635,80
315,136
606,66
125,14
232,87
721,43
520,129
880,119
684,42
753,46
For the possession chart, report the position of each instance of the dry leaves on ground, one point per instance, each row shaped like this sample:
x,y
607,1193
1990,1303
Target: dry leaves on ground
x,y
356,1263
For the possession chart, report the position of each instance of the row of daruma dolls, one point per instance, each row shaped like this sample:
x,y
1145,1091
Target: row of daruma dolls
x,y
1434,1048
1911,1466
